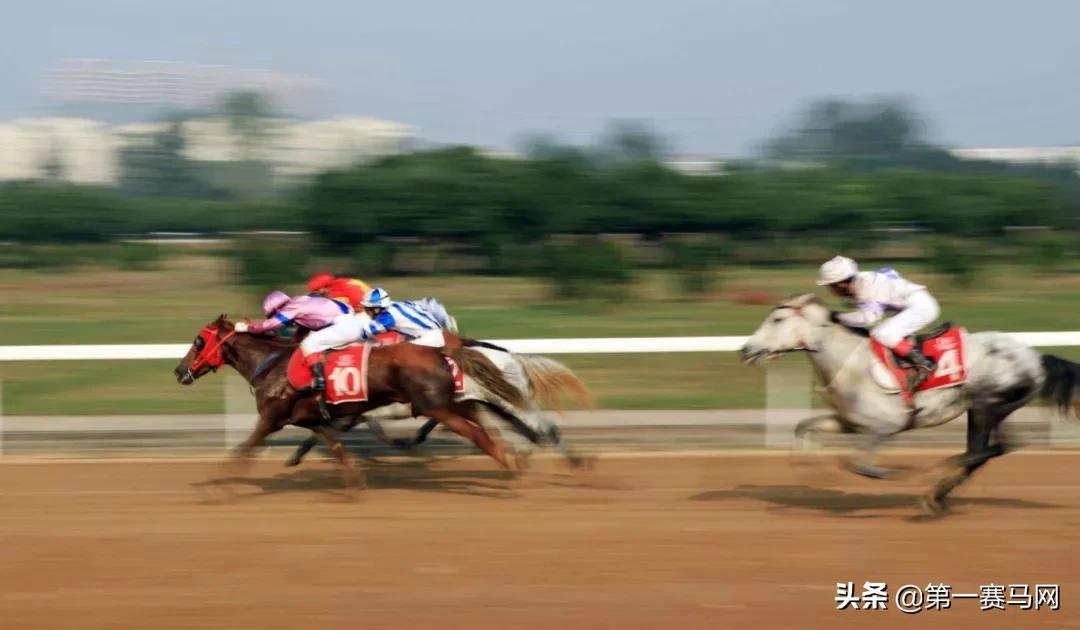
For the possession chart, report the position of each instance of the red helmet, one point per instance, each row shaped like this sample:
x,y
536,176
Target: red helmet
x,y
320,281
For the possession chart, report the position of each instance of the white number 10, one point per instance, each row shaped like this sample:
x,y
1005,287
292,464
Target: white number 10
x,y
346,380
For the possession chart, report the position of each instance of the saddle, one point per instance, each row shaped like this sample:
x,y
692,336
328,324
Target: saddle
x,y
943,344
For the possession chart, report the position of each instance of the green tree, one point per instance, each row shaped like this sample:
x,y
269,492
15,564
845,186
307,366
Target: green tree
x,y
834,129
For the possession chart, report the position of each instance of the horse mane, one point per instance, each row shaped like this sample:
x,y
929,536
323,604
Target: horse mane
x,y
802,300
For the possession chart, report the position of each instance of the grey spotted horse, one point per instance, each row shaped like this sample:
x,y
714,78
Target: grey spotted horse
x,y
1003,375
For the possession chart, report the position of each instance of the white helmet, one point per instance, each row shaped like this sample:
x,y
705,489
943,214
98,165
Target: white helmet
x,y
836,270
376,297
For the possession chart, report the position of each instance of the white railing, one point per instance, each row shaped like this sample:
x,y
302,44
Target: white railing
x,y
586,345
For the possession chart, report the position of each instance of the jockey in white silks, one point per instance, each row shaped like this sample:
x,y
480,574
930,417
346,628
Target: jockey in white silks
x,y
881,292
421,322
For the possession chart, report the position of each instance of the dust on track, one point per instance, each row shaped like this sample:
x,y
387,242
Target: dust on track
x,y
682,540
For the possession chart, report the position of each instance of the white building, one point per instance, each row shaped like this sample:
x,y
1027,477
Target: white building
x,y
88,151
83,149
1023,155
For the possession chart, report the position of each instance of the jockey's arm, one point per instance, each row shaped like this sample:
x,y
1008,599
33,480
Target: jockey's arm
x,y
281,318
383,322
866,315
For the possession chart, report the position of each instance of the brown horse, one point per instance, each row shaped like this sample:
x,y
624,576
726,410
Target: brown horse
x,y
401,373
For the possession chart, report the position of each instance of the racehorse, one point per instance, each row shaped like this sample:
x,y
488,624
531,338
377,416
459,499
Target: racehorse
x,y
1003,375
401,373
544,379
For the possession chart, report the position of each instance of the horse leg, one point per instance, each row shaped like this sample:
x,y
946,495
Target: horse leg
x,y
982,424
420,437
865,461
352,478
807,449
305,447
472,431
421,434
237,464
312,440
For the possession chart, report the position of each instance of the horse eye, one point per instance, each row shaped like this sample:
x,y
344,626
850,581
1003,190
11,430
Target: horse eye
x,y
199,343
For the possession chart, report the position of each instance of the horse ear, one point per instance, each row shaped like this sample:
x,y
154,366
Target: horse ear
x,y
219,321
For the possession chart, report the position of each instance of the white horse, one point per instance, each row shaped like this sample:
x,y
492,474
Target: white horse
x,y
1003,375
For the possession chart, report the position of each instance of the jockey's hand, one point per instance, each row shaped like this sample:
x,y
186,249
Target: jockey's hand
x,y
240,327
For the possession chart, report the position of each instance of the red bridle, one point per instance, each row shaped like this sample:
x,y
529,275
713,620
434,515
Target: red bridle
x,y
211,352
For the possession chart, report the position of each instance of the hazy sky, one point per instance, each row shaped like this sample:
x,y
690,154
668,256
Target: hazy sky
x,y
715,76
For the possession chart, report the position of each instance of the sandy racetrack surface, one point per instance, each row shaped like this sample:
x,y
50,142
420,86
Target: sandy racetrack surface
x,y
681,541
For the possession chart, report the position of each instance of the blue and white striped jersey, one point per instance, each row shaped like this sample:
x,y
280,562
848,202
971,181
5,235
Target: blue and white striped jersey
x,y
411,319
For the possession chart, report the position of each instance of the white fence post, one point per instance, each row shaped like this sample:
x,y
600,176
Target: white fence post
x,y
240,410
787,399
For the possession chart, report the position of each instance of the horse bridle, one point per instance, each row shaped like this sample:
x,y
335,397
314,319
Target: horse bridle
x,y
803,346
203,358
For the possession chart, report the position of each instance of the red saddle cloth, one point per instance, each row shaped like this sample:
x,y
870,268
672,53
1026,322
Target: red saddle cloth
x,y
346,372
947,350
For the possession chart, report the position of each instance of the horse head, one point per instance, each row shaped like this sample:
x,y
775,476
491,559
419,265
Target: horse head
x,y
205,354
790,327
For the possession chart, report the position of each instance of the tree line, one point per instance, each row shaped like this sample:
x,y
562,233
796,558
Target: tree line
x,y
461,194
841,169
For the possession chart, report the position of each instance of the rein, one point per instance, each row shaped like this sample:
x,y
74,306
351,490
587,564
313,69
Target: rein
x,y
203,359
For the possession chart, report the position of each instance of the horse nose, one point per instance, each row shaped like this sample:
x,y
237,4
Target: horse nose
x,y
183,375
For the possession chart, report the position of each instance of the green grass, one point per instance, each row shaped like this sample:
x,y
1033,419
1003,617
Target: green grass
x,y
168,305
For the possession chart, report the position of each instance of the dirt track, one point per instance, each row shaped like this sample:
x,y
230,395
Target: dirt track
x,y
682,541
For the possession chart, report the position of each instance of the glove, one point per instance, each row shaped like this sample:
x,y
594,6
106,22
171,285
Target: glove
x,y
240,327
834,317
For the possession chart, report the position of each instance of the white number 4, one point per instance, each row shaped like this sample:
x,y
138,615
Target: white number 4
x,y
949,365
346,380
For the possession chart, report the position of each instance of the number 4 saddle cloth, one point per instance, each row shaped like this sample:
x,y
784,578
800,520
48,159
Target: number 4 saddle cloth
x,y
346,372
944,346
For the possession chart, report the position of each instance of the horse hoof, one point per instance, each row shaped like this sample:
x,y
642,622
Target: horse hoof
x,y
292,462
582,462
874,472
932,505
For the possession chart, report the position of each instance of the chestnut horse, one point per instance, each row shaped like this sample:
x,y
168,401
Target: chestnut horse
x,y
400,373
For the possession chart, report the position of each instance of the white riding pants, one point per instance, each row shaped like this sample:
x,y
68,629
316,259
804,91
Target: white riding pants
x,y
430,338
922,310
345,329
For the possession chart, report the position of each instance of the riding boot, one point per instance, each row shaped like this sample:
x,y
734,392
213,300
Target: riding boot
x,y
318,377
318,385
924,367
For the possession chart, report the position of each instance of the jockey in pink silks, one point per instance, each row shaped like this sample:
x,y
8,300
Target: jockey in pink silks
x,y
332,324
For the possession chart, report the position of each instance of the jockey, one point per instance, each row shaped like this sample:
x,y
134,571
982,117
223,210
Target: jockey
x,y
343,289
332,324
420,322
877,293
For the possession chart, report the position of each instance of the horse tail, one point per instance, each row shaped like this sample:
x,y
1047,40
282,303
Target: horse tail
x,y
1060,386
549,379
476,343
490,376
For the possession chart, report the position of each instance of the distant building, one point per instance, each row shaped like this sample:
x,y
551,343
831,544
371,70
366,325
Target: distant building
x,y
88,151
1023,155
82,150
695,165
